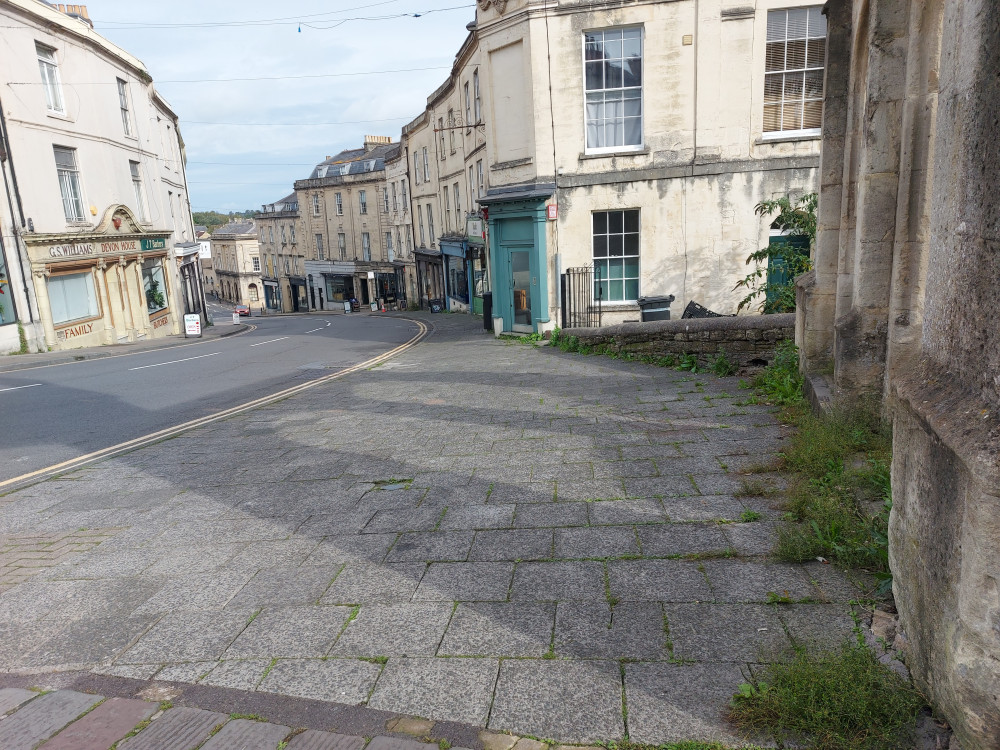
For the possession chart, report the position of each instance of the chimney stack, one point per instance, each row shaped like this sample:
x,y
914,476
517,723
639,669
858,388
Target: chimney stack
x,y
76,11
371,141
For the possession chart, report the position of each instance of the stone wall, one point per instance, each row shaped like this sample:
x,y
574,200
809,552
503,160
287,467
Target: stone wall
x,y
904,304
748,341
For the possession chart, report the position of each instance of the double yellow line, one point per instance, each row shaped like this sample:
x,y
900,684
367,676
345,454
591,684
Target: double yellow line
x,y
140,442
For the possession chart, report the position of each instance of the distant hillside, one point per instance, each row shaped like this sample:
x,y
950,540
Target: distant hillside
x,y
213,219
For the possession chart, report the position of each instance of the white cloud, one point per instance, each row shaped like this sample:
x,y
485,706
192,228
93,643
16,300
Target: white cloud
x,y
212,51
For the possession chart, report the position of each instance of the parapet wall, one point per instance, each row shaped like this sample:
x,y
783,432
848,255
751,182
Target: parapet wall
x,y
748,341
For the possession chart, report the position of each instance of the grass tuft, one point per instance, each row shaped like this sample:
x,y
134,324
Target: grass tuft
x,y
835,700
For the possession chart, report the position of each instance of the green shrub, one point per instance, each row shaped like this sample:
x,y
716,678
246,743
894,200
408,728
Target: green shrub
x,y
834,700
722,367
780,382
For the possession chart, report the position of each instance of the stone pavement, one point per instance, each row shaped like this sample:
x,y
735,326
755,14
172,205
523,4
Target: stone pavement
x,y
477,531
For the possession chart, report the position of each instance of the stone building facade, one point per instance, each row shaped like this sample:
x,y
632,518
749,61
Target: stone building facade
x,y
346,228
636,139
236,261
397,181
902,304
95,221
282,259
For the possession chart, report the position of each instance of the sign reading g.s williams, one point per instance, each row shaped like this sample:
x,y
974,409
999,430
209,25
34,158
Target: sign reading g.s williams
x,y
96,248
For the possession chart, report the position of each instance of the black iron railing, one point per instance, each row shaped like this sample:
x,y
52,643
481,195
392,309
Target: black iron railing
x,y
582,291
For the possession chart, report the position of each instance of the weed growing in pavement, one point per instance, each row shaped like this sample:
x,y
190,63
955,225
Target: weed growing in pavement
x,y
749,516
833,700
683,745
722,366
839,493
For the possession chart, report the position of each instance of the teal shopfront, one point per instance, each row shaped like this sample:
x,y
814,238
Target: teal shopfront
x,y
517,222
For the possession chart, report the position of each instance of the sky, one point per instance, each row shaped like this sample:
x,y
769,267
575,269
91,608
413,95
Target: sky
x,y
247,141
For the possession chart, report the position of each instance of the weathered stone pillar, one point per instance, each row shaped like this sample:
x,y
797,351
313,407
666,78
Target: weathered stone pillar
x,y
816,291
863,305
945,524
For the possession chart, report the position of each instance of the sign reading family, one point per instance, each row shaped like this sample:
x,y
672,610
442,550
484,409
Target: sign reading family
x,y
116,246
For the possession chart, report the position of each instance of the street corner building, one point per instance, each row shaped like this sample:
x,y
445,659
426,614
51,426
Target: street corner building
x,y
97,241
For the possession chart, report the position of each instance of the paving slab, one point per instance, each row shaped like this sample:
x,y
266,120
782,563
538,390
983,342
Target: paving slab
x,y
103,726
176,729
240,674
11,698
432,546
247,735
577,701
550,515
744,581
347,681
447,689
285,586
187,636
682,539
675,702
362,583
658,581
558,581
313,739
466,582
595,630
288,632
41,718
602,541
413,629
726,632
500,629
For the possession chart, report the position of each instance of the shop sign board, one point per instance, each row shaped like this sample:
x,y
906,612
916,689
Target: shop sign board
x,y
192,326
236,319
153,243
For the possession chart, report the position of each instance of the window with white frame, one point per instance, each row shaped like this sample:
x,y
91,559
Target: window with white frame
x,y
140,203
409,239
416,168
430,223
458,209
475,91
468,106
69,183
441,133
385,200
388,246
284,237
123,104
342,245
472,188
255,260
616,255
154,285
613,83
427,167
447,211
420,222
315,204
293,233
363,201
406,199
482,179
366,246
395,199
793,77
270,233
451,130
338,199
72,297
399,244
49,69
320,255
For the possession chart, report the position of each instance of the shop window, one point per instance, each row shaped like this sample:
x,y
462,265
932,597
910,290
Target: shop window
x,y
156,288
616,255
6,298
72,297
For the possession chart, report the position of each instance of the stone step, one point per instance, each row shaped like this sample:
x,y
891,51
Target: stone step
x,y
246,734
176,729
42,718
103,726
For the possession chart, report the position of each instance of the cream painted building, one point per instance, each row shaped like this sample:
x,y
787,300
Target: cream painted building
x,y
282,259
237,263
347,232
397,182
95,221
637,138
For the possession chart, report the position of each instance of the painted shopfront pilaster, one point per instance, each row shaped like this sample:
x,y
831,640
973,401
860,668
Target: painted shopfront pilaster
x,y
518,257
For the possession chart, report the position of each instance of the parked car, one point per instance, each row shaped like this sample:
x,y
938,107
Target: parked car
x,y
242,310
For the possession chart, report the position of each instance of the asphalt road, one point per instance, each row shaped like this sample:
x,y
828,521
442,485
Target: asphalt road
x,y
60,412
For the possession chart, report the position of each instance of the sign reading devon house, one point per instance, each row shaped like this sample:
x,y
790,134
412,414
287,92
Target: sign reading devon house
x,y
116,246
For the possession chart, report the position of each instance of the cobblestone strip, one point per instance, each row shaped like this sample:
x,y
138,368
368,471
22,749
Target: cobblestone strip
x,y
25,555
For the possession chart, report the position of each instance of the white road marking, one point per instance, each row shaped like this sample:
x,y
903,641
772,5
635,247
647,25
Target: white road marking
x,y
19,387
269,342
174,361
314,330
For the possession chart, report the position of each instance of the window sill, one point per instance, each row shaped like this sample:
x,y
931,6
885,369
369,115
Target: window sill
x,y
789,138
59,116
644,151
619,306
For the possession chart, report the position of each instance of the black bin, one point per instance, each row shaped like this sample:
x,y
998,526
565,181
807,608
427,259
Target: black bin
x,y
655,308
488,311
